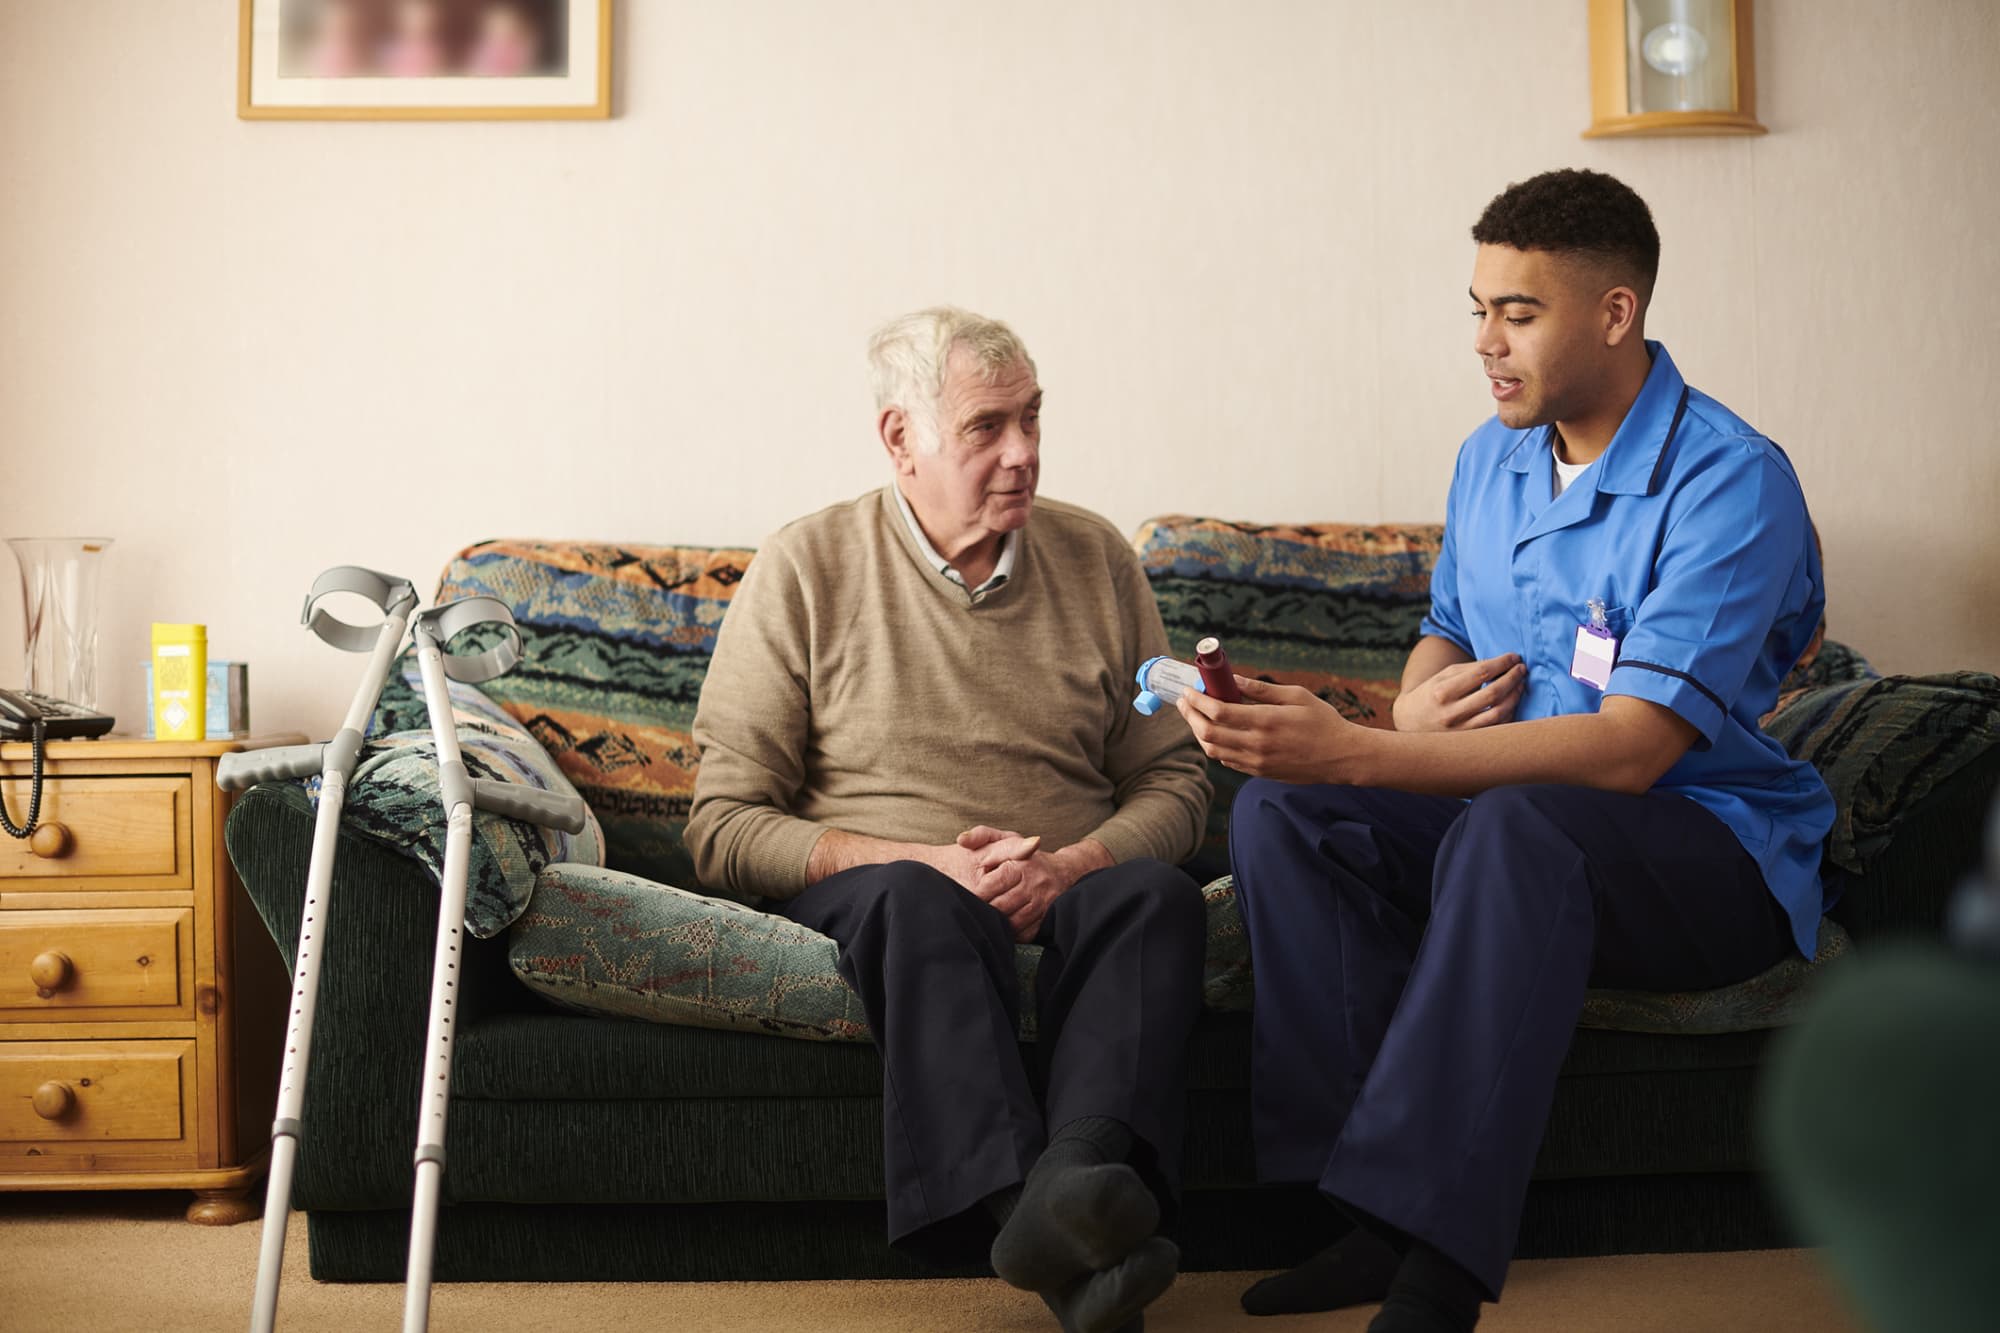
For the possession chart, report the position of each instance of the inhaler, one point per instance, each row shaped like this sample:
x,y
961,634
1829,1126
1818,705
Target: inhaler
x,y
1163,680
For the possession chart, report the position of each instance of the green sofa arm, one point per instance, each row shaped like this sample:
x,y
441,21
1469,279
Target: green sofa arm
x,y
360,1122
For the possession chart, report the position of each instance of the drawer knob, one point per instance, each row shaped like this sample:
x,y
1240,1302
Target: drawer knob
x,y
50,841
50,971
54,1100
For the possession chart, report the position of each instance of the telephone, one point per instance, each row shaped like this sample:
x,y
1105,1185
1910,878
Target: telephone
x,y
60,721
38,718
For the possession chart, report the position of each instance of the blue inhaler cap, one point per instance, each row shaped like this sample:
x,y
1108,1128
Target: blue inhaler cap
x,y
1148,702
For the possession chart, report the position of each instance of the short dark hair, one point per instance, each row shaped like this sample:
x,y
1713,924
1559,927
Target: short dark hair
x,y
1585,213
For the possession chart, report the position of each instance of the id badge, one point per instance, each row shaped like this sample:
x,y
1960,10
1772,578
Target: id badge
x,y
1596,650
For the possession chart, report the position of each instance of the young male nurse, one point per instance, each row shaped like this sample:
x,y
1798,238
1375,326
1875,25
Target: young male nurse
x,y
1576,792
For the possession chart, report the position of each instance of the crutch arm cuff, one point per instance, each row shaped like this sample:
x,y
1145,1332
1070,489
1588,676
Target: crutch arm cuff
x,y
394,595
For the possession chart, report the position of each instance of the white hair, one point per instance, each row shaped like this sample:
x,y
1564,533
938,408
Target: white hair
x,y
908,358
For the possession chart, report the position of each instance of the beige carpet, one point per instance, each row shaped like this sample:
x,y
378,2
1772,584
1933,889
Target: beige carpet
x,y
127,1261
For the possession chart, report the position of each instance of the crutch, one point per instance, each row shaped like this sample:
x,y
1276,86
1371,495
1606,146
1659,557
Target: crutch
x,y
334,762
461,795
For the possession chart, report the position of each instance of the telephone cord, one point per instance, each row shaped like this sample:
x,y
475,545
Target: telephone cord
x,y
34,800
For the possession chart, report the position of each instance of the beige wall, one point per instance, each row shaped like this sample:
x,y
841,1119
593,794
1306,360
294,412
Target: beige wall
x,y
1234,234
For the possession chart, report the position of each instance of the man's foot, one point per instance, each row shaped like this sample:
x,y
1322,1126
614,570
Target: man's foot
x,y
1357,1269
1081,1210
1114,1300
1431,1294
1071,1222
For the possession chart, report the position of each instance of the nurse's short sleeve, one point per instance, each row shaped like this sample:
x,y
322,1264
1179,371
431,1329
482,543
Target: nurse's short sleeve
x,y
1446,620
1730,563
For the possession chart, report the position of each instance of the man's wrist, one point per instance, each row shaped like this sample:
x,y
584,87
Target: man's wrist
x,y
1080,858
924,853
836,850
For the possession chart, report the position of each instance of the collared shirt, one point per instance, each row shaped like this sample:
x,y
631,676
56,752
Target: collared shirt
x,y
1003,568
1691,529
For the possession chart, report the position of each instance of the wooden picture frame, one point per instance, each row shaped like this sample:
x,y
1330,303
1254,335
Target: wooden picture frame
x,y
424,60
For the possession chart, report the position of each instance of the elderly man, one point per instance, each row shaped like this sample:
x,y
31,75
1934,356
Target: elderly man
x,y
916,738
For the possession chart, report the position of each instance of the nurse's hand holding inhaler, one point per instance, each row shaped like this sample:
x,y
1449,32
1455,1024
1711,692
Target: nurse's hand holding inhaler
x,y
1272,731
1279,731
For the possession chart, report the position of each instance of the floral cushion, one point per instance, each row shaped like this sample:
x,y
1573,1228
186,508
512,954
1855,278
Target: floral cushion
x,y
393,797
603,942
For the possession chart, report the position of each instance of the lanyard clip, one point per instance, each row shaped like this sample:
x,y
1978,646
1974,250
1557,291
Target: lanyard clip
x,y
1597,621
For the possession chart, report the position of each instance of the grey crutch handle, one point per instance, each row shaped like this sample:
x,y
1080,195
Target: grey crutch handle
x,y
385,590
547,808
247,768
443,623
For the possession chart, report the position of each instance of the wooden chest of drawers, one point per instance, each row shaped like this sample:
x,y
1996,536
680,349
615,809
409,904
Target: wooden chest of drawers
x,y
142,1004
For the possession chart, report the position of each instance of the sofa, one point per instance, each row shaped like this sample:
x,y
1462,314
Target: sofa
x,y
737,1136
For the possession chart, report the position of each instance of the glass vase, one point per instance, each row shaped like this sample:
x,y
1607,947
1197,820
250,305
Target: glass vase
x,y
59,602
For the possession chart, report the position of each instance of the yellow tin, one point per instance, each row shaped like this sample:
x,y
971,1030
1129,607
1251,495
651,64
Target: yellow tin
x,y
180,682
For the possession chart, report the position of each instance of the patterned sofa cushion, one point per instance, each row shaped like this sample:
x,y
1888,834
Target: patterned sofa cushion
x,y
603,942
615,642
393,798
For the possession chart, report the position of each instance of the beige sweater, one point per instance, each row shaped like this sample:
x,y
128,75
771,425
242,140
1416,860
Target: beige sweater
x,y
854,687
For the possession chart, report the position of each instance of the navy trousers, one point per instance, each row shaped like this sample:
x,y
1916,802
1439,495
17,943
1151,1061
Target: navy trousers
x,y
965,1111
1420,964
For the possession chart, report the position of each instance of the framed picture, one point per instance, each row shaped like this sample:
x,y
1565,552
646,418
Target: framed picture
x,y
424,60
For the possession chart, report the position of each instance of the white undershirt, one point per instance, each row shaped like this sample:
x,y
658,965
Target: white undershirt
x,y
1565,472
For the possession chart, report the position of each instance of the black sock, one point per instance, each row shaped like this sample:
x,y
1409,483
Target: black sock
x,y
1355,1270
1081,1209
1114,1301
1000,1204
1431,1294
